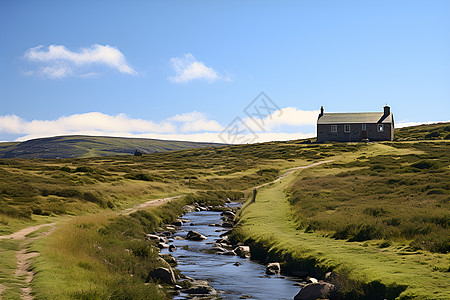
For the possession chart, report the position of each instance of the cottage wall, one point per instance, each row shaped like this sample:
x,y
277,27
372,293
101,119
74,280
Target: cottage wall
x,y
324,133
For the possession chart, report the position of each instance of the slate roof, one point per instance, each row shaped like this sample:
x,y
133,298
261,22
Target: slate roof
x,y
349,118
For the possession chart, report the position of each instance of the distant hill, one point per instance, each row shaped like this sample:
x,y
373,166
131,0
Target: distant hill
x,y
91,146
438,131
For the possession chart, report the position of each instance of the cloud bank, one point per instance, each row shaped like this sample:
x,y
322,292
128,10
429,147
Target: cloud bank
x,y
56,61
188,68
191,126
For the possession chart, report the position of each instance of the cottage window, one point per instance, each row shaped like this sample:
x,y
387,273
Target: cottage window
x,y
333,128
346,128
364,127
380,127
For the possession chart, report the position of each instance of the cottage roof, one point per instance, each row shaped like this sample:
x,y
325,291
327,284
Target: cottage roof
x,y
348,118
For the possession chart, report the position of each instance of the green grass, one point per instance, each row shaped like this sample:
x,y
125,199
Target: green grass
x,y
439,131
8,264
374,266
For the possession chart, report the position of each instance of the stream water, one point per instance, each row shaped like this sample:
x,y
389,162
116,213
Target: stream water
x,y
248,280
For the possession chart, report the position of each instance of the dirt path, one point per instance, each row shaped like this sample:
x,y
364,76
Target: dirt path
x,y
21,234
289,172
151,203
24,258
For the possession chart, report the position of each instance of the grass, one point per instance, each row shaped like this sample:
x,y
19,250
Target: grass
x,y
8,250
398,186
401,198
439,131
102,256
268,224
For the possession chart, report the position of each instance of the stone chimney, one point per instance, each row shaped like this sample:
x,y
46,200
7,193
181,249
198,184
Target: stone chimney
x,y
321,112
387,110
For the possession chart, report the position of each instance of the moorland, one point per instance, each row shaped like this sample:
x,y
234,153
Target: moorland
x,y
376,215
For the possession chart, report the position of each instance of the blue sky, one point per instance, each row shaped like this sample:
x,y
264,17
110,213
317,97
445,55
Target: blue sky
x,y
186,69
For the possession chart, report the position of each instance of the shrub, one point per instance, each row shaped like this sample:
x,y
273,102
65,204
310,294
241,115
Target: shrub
x,y
375,211
66,169
84,169
425,164
432,134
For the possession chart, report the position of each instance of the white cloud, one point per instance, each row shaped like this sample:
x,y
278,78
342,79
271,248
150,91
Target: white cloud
x,y
56,61
192,126
288,116
402,124
187,68
196,121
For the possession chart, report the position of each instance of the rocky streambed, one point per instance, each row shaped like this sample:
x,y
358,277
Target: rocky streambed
x,y
211,267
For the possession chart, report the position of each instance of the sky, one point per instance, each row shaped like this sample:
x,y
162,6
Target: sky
x,y
217,71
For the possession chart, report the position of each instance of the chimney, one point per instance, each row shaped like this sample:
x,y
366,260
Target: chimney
x,y
321,112
387,110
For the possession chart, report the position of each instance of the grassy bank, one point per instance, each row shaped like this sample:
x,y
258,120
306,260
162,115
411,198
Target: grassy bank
x,y
369,269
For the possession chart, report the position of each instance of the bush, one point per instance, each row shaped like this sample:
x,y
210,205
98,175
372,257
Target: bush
x,y
84,169
432,134
425,164
66,169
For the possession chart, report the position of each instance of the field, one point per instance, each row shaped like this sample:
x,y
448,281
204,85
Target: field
x,y
377,215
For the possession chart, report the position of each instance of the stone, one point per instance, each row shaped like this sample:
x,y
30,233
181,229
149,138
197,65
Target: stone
x,y
164,274
152,236
273,268
312,291
195,236
228,214
162,245
311,280
200,287
218,249
242,251
172,248
177,222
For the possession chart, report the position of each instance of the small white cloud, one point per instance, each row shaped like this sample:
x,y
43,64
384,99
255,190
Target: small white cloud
x,y
196,121
56,61
187,68
288,116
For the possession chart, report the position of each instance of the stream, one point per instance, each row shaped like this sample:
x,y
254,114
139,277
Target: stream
x,y
245,281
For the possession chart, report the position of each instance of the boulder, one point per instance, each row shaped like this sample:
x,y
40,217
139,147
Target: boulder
x,y
311,280
189,208
228,214
195,236
162,245
172,248
200,287
242,251
177,222
314,291
273,268
164,274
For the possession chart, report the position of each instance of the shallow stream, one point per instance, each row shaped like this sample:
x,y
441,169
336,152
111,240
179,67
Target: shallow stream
x,y
246,281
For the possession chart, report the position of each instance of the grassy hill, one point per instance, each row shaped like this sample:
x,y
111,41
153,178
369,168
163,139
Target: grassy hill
x,y
90,146
438,131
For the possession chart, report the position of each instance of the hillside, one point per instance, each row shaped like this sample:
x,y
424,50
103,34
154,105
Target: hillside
x,y
438,131
90,146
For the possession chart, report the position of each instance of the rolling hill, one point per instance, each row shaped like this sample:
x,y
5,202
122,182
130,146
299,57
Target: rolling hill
x,y
91,146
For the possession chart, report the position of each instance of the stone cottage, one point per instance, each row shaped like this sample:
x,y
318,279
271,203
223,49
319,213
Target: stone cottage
x,y
355,127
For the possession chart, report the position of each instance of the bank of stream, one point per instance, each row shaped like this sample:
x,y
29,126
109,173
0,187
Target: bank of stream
x,y
232,276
